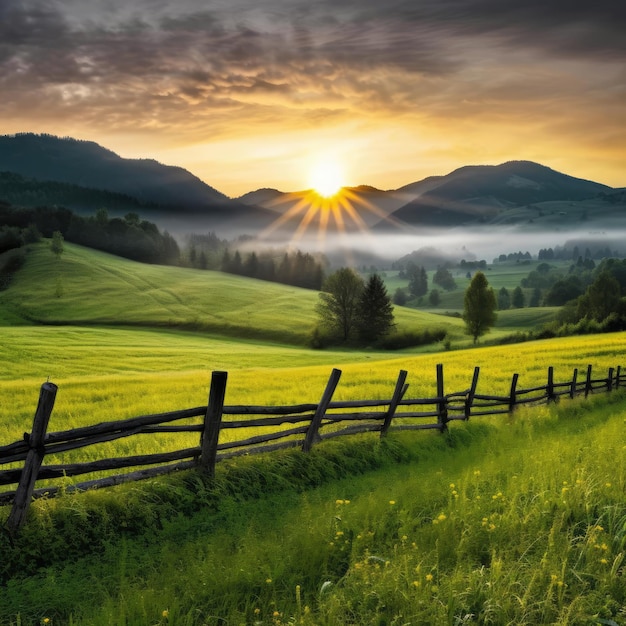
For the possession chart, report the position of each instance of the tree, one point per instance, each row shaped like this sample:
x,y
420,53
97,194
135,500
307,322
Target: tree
x,y
399,297
601,298
434,297
479,307
504,299
418,280
444,279
375,313
56,245
338,305
535,299
518,300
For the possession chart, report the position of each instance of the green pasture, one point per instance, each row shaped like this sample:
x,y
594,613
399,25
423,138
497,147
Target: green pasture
x,y
501,274
513,519
503,521
87,287
106,374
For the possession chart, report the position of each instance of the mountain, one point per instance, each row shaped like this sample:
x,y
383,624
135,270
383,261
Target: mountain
x,y
480,194
368,206
167,194
87,164
84,176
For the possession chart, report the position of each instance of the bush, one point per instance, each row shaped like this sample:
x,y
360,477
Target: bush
x,y
398,341
13,261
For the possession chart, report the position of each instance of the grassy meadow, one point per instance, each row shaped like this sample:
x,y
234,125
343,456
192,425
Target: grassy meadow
x,y
87,287
510,521
505,520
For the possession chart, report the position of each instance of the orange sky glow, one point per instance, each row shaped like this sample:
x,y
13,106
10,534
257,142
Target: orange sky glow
x,y
252,93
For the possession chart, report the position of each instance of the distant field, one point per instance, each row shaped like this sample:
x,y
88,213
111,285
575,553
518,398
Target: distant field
x,y
507,274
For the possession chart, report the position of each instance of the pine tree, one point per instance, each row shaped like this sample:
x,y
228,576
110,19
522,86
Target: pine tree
x,y
504,299
479,310
56,245
418,280
375,312
518,299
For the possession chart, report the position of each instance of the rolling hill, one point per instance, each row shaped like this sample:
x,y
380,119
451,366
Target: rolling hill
x,y
91,288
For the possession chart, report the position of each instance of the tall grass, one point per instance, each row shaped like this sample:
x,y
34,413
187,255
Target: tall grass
x,y
159,372
518,521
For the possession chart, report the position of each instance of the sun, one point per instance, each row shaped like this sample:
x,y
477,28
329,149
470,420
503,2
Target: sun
x,y
326,178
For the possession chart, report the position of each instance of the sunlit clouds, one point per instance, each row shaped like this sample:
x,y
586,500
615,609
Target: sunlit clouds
x,y
242,92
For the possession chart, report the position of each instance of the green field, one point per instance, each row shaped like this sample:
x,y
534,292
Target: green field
x,y
506,274
87,287
504,520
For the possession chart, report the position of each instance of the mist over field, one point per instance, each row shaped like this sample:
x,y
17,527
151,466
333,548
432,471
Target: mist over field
x,y
470,244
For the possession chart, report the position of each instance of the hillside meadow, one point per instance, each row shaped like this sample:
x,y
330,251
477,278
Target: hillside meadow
x,y
505,520
508,274
502,521
88,287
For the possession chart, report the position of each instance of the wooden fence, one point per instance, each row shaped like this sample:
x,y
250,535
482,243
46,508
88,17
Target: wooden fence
x,y
300,425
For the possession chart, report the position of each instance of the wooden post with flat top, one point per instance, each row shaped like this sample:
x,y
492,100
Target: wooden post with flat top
x,y
212,423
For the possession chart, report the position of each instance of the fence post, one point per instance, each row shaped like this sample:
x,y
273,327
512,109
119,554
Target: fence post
x,y
588,386
609,380
550,385
512,395
472,392
34,458
398,394
617,375
212,422
572,389
312,432
442,409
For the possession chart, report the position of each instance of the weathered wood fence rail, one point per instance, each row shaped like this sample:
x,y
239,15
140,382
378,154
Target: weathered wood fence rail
x,y
300,425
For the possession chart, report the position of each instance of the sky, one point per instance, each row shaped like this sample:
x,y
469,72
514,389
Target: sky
x,y
257,93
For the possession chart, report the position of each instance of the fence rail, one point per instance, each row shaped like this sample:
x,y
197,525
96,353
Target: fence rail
x,y
307,424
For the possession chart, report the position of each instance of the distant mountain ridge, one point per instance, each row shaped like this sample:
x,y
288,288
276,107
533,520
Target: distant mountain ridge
x,y
168,194
85,176
480,193
87,164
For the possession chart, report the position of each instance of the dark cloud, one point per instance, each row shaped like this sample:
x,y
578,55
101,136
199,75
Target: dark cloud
x,y
162,64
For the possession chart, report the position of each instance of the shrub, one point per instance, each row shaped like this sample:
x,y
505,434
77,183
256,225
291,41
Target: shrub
x,y
398,341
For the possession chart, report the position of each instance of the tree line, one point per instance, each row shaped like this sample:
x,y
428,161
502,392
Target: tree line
x,y
298,268
128,237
